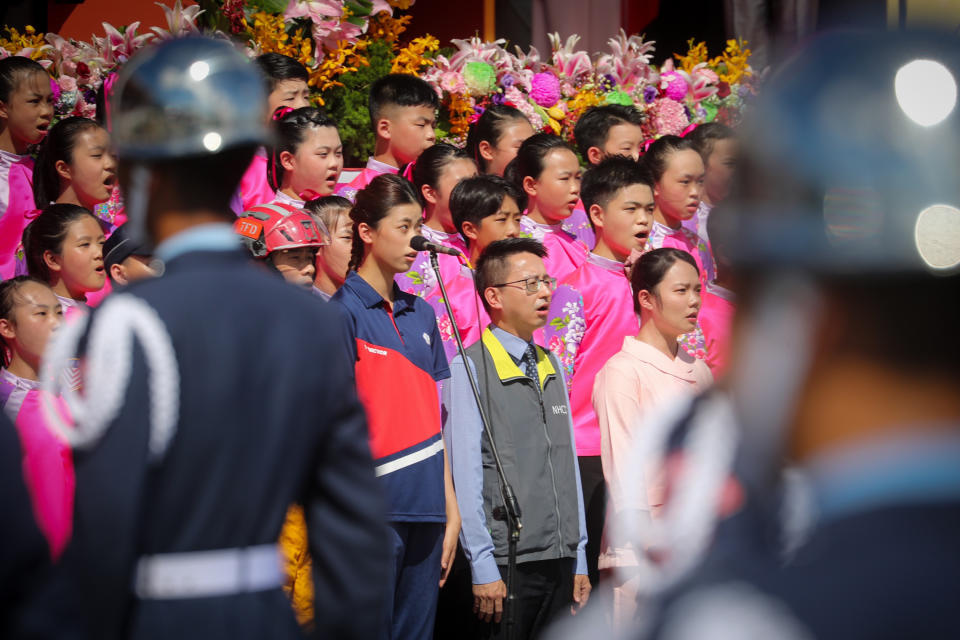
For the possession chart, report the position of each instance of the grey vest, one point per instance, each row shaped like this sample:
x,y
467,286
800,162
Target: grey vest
x,y
534,442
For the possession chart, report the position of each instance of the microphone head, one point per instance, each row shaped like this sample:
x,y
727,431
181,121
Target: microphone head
x,y
419,243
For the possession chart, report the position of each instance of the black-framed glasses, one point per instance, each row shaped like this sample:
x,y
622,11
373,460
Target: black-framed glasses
x,y
531,284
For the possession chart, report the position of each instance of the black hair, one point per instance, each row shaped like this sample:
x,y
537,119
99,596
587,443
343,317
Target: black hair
x,y
602,182
12,71
277,67
593,127
706,136
401,90
47,233
529,160
489,128
476,198
373,204
57,145
9,296
432,162
291,132
327,209
658,155
650,269
221,176
492,265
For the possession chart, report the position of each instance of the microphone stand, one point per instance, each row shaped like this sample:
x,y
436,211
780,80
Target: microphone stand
x,y
512,507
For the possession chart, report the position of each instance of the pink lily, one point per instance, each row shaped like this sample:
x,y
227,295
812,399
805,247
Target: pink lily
x,y
180,21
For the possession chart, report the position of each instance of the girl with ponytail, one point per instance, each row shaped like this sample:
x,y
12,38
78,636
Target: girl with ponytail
x,y
399,361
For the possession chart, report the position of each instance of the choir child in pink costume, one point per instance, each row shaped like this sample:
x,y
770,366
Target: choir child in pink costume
x,y
547,170
485,209
29,312
308,158
287,82
591,312
601,132
333,260
76,165
717,310
718,148
403,110
649,370
26,110
434,175
64,248
677,171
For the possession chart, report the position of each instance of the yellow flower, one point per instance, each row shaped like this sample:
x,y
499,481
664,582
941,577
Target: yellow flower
x,y
385,27
411,58
734,63
587,97
695,55
460,111
346,58
29,39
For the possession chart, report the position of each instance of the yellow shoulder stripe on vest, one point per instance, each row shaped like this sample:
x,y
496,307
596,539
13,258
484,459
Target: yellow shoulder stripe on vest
x,y
507,368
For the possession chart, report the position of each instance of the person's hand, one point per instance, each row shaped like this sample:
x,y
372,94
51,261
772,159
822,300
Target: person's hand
x,y
581,593
450,534
488,600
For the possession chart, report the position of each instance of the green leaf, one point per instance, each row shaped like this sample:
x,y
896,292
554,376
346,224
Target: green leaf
x,y
270,6
414,277
560,323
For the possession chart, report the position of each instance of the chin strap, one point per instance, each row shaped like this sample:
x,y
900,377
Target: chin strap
x,y
107,366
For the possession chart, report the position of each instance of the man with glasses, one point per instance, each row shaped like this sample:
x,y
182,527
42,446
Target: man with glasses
x,y
525,399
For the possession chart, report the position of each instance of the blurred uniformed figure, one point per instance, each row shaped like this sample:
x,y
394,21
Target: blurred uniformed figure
x,y
215,396
846,236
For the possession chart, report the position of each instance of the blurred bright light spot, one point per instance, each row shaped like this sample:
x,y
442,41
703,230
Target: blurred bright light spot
x,y
937,235
199,70
926,91
212,141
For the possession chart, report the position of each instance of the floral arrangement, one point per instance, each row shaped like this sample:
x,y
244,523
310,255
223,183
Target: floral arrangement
x,y
554,92
347,44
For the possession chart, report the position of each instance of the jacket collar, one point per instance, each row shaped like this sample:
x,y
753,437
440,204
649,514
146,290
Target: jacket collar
x,y
679,367
505,363
370,298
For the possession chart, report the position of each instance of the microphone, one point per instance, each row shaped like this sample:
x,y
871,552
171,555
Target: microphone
x,y
419,243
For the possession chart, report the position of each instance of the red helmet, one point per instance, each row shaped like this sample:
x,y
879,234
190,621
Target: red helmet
x,y
271,227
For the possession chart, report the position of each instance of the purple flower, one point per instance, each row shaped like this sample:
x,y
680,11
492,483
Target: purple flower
x,y
611,81
497,98
687,111
479,110
507,81
649,94
743,90
90,96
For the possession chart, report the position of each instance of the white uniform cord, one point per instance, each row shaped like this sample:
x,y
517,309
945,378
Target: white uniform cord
x,y
106,376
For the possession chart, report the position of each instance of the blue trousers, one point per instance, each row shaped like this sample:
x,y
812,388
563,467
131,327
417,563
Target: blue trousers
x,y
412,608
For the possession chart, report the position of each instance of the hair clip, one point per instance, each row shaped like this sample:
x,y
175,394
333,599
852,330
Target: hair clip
x,y
281,112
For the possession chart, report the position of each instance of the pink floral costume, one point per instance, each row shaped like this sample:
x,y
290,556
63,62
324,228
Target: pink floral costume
x,y
16,207
47,459
421,281
71,307
590,315
254,188
283,198
373,169
662,236
716,317
564,252
578,225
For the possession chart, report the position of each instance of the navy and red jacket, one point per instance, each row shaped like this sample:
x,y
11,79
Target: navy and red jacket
x,y
399,360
